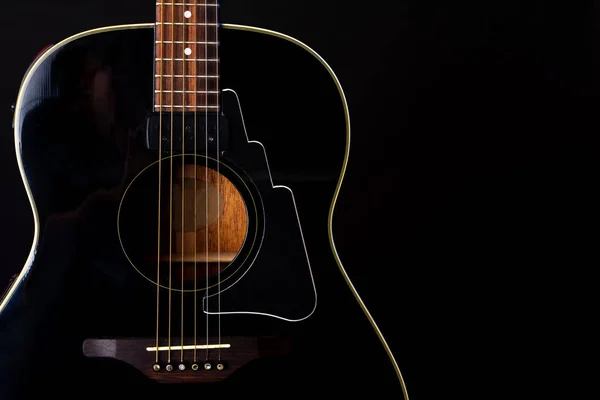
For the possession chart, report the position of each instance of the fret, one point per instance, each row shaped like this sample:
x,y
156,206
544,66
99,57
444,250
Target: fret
x,y
181,42
169,33
187,4
199,99
187,14
188,76
188,91
189,69
188,59
188,84
188,23
179,50
168,106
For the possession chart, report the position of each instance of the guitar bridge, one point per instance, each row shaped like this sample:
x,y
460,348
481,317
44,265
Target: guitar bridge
x,y
198,365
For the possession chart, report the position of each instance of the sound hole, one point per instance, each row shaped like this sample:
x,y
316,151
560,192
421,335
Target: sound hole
x,y
210,220
204,223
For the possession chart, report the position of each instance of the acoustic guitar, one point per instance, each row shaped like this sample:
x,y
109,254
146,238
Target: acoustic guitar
x,y
183,177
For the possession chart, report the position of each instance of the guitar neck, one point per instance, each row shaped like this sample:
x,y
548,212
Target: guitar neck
x,y
187,56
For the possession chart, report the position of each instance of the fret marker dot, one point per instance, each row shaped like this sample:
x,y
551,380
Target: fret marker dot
x,y
187,14
188,51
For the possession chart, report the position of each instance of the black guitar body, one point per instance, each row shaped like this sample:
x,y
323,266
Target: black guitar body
x,y
90,163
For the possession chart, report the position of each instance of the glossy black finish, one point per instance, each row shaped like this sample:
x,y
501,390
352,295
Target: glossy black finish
x,y
83,141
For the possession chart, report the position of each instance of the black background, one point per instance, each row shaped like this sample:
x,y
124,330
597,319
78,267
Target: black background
x,y
467,217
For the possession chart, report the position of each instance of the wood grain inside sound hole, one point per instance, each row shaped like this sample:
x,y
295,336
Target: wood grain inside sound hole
x,y
227,218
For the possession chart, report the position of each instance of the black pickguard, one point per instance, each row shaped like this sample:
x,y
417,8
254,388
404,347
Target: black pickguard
x,y
82,137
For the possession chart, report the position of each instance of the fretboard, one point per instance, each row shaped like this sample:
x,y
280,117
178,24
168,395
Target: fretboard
x,y
187,56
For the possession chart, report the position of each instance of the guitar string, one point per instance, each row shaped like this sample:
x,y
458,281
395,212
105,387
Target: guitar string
x,y
218,188
182,234
206,197
160,123
171,182
195,72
